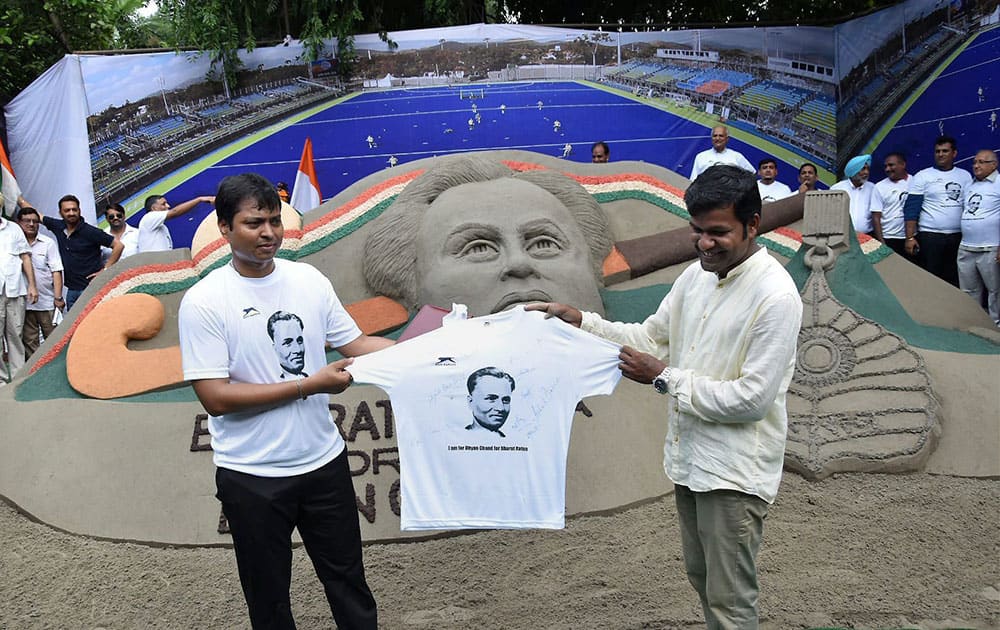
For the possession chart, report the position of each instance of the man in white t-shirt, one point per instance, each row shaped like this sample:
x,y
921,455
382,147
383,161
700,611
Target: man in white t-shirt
x,y
860,190
887,204
933,212
720,349
979,251
153,233
719,154
124,233
770,189
281,462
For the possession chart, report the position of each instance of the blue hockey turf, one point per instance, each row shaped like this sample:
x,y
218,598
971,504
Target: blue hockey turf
x,y
412,124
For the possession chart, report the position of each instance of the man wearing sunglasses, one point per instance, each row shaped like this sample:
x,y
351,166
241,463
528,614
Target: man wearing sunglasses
x,y
122,232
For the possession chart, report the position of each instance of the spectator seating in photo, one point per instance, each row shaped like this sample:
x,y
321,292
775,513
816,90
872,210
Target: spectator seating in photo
x,y
769,96
821,114
720,75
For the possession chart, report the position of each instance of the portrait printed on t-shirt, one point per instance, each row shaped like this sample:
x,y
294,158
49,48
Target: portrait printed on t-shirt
x,y
489,399
286,332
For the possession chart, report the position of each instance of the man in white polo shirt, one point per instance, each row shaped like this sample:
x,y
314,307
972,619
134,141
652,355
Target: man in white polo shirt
x,y
153,233
719,154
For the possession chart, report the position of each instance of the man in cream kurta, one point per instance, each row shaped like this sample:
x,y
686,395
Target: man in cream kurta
x,y
726,334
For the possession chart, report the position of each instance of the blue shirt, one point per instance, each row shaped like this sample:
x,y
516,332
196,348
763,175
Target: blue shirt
x,y
80,251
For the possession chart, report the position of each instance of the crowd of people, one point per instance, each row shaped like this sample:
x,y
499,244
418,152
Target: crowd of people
x,y
259,411
943,218
44,276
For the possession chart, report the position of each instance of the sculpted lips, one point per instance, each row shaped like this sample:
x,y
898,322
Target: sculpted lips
x,y
521,297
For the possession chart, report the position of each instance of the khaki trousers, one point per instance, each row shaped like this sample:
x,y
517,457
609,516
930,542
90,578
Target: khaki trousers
x,y
33,322
720,534
11,325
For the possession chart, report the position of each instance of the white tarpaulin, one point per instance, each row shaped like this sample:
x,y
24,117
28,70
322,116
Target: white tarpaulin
x,y
47,136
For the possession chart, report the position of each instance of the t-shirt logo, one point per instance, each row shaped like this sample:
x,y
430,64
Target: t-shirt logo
x,y
445,361
250,312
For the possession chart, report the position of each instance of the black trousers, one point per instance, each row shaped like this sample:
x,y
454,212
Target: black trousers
x,y
263,511
939,253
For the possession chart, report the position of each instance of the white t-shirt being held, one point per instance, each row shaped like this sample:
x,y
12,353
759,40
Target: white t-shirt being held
x,y
457,474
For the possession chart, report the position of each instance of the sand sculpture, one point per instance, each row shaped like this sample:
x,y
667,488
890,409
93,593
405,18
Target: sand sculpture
x,y
137,466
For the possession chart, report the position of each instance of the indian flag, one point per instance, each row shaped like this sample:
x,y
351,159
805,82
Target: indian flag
x,y
305,191
8,185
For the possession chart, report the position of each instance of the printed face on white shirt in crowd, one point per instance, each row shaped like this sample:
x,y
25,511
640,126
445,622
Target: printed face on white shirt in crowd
x,y
516,244
895,168
254,237
768,171
720,138
289,343
490,402
721,240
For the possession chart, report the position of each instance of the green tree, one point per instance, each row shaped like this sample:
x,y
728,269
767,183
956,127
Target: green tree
x,y
222,27
34,34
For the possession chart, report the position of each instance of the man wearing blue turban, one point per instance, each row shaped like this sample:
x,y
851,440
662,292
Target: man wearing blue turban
x,y
860,190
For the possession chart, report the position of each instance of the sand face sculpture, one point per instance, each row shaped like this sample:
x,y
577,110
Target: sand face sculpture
x,y
472,231
105,459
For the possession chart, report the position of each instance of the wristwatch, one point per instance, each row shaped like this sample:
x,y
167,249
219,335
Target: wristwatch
x,y
660,382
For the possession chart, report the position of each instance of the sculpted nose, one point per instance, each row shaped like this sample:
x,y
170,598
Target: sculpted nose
x,y
518,265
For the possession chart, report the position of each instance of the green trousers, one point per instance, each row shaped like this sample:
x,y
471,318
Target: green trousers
x,y
720,533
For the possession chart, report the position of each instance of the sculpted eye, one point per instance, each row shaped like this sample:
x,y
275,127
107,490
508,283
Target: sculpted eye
x,y
479,249
544,245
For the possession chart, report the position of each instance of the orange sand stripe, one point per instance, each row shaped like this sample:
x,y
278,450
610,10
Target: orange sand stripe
x,y
615,263
378,314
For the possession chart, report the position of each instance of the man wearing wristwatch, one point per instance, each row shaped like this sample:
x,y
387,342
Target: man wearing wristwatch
x,y
720,349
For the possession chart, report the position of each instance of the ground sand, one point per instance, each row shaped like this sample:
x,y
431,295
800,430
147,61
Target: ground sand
x,y
857,551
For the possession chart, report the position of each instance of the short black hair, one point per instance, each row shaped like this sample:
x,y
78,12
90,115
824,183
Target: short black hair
x,y
898,154
603,145
235,188
68,198
281,186
114,206
24,211
721,186
150,200
281,316
487,371
805,164
947,140
767,160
